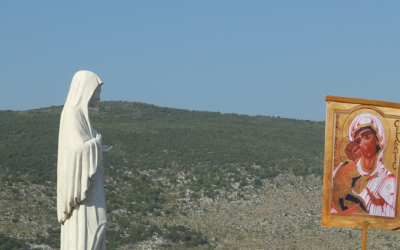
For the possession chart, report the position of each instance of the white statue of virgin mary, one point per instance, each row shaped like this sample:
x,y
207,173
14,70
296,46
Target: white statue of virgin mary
x,y
81,203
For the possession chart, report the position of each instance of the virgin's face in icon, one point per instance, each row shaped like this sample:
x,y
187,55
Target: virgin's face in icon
x,y
367,141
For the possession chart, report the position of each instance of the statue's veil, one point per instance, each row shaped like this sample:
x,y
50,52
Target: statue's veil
x,y
79,149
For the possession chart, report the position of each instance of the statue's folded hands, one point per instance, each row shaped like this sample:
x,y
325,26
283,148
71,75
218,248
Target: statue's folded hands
x,y
107,148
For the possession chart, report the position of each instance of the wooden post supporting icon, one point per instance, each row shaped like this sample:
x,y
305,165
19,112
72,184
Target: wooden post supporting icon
x,y
364,237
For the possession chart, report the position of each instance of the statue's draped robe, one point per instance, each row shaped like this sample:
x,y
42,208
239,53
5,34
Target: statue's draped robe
x,y
81,206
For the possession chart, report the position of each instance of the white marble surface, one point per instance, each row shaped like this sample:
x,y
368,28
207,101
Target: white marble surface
x,y
81,204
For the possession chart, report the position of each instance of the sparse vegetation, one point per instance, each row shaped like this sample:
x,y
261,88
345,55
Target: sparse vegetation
x,y
176,179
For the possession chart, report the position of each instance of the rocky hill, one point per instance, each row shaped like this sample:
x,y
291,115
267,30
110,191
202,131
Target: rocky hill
x,y
178,179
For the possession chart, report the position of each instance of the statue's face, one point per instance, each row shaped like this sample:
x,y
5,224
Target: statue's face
x,y
95,97
367,141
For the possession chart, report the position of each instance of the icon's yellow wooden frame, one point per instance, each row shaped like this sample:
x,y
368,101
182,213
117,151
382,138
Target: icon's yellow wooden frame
x,y
337,104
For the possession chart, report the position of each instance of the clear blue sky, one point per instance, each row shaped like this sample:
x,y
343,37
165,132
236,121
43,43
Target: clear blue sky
x,y
276,58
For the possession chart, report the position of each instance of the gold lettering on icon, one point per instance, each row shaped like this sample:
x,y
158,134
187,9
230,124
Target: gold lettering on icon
x,y
335,153
396,144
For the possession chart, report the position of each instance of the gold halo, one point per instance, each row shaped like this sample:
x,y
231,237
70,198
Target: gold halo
x,y
342,147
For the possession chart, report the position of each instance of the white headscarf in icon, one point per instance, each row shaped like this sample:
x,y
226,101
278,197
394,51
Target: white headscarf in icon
x,y
368,120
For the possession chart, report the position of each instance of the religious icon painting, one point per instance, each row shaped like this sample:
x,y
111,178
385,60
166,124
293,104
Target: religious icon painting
x,y
361,169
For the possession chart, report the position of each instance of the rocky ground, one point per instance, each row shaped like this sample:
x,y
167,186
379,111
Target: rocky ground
x,y
284,214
